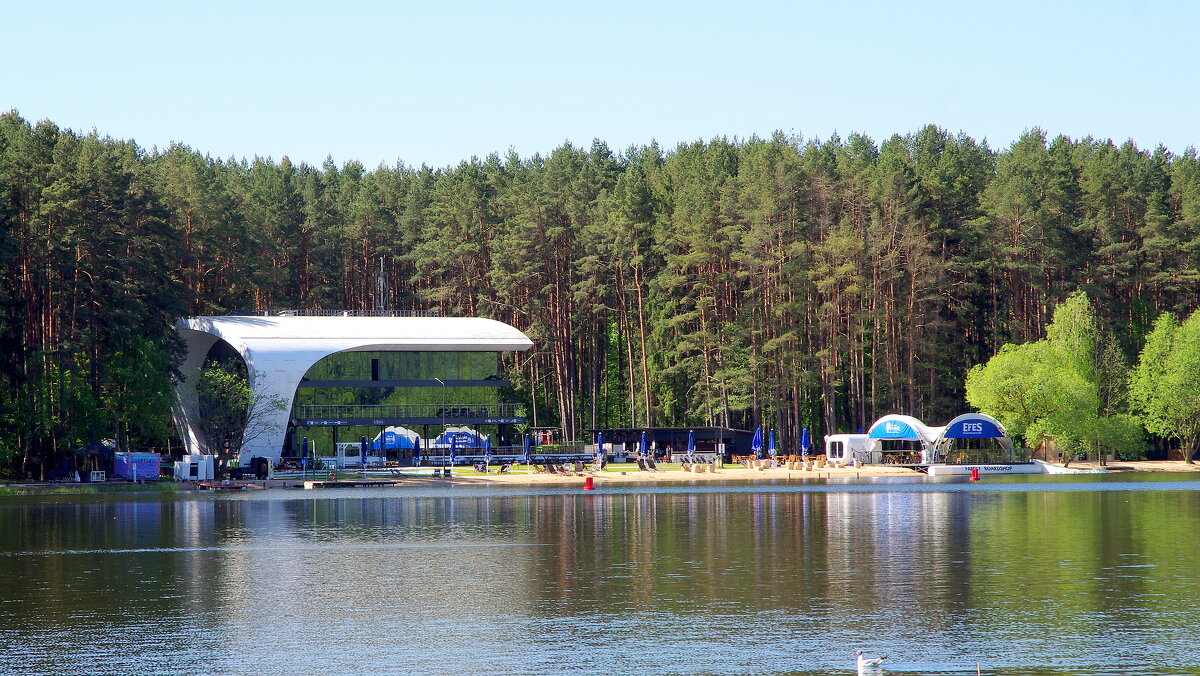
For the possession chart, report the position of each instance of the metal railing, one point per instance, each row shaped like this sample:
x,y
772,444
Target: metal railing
x,y
303,312
450,412
439,456
977,457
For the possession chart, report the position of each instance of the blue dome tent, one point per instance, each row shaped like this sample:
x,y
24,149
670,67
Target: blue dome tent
x,y
461,437
393,438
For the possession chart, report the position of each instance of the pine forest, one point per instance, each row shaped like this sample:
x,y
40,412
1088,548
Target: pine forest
x,y
785,282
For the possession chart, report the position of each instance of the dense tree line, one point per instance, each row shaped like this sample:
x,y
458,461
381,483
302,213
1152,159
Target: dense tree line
x,y
1070,389
785,282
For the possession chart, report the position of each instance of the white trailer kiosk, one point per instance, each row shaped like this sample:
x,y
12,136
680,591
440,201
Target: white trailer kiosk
x,y
842,448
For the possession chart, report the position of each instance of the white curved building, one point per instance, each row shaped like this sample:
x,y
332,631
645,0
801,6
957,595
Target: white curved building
x,y
279,350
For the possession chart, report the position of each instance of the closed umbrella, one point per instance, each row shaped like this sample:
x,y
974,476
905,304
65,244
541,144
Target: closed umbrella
x,y
771,444
487,450
805,444
416,460
599,448
691,447
528,459
643,447
453,450
756,445
362,451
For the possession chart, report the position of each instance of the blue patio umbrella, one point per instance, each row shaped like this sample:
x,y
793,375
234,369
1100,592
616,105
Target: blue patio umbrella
x,y
599,448
528,459
771,444
487,450
757,445
362,451
805,444
416,458
453,448
691,447
643,447
304,448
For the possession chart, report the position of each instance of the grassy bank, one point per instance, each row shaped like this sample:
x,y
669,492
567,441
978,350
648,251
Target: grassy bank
x,y
86,489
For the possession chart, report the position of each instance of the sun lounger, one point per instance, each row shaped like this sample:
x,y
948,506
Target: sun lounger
x,y
641,463
504,468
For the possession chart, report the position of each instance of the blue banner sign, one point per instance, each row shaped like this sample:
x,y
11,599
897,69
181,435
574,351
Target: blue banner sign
x,y
973,429
893,429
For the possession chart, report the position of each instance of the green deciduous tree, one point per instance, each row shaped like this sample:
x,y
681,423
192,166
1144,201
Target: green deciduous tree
x,y
1162,387
1049,389
231,412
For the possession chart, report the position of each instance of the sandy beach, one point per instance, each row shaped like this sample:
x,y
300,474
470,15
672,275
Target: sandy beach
x,y
742,474
675,475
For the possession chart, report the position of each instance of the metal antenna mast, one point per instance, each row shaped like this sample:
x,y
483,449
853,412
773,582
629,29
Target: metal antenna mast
x,y
380,289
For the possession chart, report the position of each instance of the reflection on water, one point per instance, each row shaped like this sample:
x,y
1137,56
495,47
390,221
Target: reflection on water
x,y
1096,576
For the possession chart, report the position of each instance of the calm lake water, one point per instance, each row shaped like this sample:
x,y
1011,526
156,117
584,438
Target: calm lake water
x,y
1062,575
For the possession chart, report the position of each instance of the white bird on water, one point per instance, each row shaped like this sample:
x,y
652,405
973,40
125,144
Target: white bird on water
x,y
869,665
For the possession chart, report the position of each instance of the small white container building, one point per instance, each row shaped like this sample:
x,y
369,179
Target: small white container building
x,y
195,467
842,448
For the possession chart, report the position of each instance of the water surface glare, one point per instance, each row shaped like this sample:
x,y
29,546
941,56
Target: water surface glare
x,y
1048,575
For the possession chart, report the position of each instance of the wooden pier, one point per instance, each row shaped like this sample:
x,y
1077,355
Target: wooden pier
x,y
350,483
228,486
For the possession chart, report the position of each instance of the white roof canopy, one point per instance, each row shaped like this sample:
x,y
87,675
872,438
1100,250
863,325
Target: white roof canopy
x,y
364,334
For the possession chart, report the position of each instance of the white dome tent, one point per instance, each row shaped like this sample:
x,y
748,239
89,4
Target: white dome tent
x,y
960,448
900,440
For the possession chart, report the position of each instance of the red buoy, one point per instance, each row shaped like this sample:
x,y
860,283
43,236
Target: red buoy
x,y
588,484
974,474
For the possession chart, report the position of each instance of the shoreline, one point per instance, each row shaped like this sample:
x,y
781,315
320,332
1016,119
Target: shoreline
x,y
742,474
672,476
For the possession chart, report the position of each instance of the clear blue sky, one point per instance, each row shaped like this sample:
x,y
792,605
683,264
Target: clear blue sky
x,y
438,82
